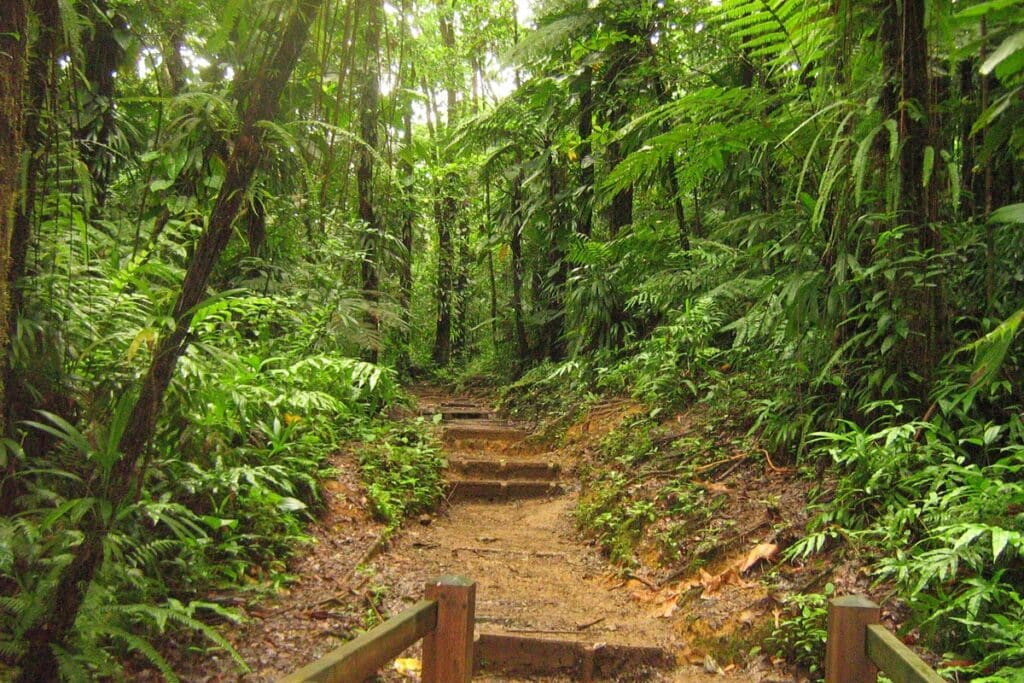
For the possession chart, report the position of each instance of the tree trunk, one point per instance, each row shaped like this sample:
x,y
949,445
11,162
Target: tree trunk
x,y
368,111
444,214
921,293
620,212
489,231
557,269
103,56
13,35
672,177
586,129
461,293
405,172
447,213
516,248
256,228
259,103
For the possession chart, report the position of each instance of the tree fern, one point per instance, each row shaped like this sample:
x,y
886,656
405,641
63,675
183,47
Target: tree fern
x,y
789,34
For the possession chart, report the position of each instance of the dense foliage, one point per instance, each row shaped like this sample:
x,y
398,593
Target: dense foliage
x,y
230,230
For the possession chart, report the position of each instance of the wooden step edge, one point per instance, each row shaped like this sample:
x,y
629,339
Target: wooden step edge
x,y
459,413
504,469
499,490
483,433
538,656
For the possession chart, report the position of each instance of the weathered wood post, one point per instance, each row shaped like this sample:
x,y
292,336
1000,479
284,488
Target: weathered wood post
x,y
846,652
448,649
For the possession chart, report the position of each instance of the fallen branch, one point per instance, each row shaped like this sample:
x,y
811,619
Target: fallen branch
x,y
595,622
716,465
642,580
768,459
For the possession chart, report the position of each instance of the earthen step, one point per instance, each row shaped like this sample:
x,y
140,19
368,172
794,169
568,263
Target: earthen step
x,y
505,469
536,656
497,491
466,431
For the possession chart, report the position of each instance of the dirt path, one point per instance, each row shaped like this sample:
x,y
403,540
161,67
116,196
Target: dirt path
x,y
547,604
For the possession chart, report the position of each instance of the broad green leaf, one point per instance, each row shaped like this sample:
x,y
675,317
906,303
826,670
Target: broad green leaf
x,y
1000,537
1012,213
1007,48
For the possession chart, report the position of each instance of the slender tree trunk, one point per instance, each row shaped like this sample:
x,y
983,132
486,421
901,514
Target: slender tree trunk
x,y
461,282
620,211
256,228
556,267
343,68
448,224
174,65
368,112
672,176
489,231
968,114
259,103
444,210
987,198
698,218
408,232
586,129
516,248
103,56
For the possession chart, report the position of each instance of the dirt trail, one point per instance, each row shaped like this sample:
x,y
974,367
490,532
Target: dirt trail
x,y
549,608
547,604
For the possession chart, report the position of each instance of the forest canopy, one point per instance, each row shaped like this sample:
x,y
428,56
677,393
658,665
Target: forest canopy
x,y
231,231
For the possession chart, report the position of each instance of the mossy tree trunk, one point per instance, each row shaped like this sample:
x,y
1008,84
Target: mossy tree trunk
x,y
13,36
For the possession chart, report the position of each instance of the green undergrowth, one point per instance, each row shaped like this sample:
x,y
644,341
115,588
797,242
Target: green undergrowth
x,y
927,498
642,487
402,469
233,476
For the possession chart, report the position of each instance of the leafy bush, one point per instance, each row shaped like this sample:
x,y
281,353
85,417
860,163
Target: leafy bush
x,y
233,474
937,503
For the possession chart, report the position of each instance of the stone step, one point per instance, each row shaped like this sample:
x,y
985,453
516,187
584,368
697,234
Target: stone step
x,y
539,470
537,656
500,491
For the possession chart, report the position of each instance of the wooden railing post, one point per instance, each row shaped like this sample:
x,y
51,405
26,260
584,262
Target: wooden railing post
x,y
846,652
448,650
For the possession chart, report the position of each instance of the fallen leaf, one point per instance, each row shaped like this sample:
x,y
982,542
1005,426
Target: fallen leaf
x,y
711,666
712,486
713,584
668,608
762,551
408,666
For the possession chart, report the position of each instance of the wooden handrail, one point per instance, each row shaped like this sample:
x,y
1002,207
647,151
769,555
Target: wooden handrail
x,y
444,619
858,645
896,659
